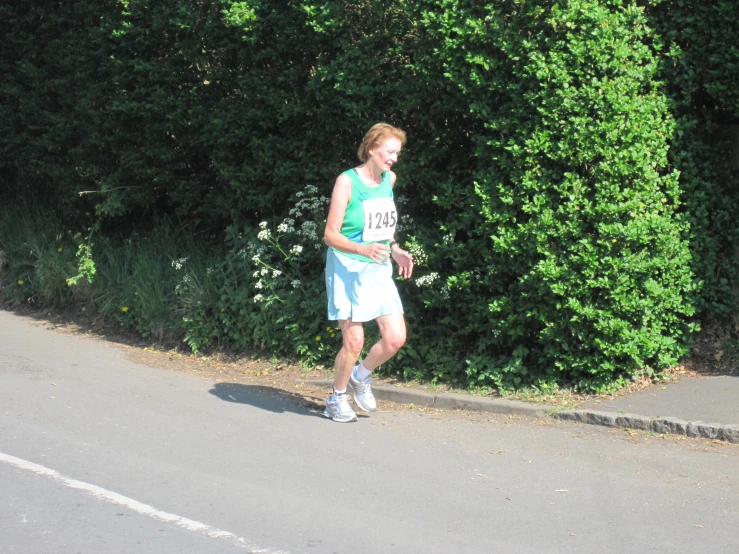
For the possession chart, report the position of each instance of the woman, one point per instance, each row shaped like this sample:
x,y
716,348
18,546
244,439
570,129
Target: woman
x,y
359,233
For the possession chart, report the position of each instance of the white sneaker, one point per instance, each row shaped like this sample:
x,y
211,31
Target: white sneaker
x,y
338,408
363,396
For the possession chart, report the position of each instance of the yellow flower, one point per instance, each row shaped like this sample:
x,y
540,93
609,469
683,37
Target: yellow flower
x,y
59,249
124,309
318,337
20,281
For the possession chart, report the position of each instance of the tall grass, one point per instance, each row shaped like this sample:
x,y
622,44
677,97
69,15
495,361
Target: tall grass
x,y
135,280
36,257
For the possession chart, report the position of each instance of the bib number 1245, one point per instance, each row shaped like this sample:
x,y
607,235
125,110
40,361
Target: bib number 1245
x,y
380,218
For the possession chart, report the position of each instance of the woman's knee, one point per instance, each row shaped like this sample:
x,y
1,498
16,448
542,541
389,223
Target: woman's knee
x,y
354,342
395,340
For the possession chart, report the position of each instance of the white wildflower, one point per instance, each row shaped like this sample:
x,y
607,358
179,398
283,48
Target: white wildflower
x,y
258,285
297,249
404,222
264,234
258,298
255,259
276,273
308,230
287,225
427,280
177,264
255,274
419,255
264,271
263,225
295,283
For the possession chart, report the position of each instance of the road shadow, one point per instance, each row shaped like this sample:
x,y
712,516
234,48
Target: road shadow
x,y
270,399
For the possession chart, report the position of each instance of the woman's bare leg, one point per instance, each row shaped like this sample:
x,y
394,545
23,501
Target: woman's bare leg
x,y
353,337
392,329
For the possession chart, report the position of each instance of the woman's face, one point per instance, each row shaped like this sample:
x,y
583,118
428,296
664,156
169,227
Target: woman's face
x,y
386,153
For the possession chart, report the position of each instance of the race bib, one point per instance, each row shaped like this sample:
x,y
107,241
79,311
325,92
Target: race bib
x,y
380,218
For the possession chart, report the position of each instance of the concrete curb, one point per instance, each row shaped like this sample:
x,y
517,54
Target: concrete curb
x,y
450,400
671,425
455,401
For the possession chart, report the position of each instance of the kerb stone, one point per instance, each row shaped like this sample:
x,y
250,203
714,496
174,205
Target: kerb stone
x,y
670,425
634,421
731,433
581,416
704,430
402,395
455,401
606,419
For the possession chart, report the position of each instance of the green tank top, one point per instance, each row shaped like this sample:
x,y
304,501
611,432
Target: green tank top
x,y
353,225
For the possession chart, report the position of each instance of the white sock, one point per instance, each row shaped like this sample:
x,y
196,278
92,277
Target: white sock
x,y
338,392
361,372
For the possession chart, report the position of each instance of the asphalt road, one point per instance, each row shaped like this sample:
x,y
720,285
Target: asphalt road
x,y
99,454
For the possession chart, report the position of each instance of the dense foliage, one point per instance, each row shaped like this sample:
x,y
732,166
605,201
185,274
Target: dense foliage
x,y
701,71
566,187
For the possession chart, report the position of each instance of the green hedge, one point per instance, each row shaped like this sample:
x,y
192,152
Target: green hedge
x,y
581,268
701,71
558,189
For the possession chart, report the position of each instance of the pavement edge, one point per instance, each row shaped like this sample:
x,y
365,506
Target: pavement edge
x,y
664,425
450,400
456,401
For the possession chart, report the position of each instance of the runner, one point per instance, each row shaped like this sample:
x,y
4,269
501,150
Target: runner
x,y
359,275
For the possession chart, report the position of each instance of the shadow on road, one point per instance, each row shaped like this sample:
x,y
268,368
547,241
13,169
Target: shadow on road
x,y
267,398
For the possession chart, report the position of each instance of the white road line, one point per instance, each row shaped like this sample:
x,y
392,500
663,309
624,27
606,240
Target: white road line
x,y
136,506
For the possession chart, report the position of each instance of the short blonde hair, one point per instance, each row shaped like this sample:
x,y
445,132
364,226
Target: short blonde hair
x,y
376,135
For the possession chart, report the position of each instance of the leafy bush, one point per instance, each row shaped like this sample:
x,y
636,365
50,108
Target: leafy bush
x,y
702,81
268,292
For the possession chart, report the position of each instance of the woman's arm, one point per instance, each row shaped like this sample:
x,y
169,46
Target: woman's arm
x,y
401,257
332,236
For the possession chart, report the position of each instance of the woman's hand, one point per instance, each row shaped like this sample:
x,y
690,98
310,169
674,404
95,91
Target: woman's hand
x,y
377,252
404,261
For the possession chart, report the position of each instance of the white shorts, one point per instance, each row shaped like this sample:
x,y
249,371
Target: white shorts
x,y
358,290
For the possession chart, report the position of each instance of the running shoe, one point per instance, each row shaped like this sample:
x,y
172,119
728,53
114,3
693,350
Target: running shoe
x,y
363,396
338,408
